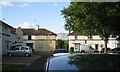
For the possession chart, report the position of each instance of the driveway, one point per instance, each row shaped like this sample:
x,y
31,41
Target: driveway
x,y
20,59
35,63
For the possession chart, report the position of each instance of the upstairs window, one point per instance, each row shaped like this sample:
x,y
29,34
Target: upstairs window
x,y
29,37
75,37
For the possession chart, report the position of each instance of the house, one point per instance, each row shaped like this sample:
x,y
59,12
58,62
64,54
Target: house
x,y
5,36
77,39
17,37
39,39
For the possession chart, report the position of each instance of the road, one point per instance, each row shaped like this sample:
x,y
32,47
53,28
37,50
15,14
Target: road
x,y
38,65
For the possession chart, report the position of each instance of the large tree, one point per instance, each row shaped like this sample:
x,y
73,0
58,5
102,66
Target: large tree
x,y
60,44
90,18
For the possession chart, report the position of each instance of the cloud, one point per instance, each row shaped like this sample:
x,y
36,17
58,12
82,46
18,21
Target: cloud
x,y
6,3
24,5
25,25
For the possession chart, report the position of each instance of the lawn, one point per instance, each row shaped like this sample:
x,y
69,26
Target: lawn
x,y
96,62
13,67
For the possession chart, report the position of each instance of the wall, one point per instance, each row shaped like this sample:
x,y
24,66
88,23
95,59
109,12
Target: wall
x,y
6,39
0,39
42,42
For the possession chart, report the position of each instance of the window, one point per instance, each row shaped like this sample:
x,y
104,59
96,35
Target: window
x,y
40,45
29,37
75,37
85,41
18,37
40,36
96,46
7,46
17,48
22,48
26,48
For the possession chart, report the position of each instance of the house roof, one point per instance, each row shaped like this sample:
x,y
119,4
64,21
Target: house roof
x,y
32,31
75,33
5,24
78,33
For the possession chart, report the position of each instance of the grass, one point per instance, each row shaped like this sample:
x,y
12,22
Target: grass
x,y
96,62
13,67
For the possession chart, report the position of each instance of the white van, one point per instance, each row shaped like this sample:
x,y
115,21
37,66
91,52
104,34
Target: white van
x,y
86,49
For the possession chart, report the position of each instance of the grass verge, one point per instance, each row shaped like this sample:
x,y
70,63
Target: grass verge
x,y
13,67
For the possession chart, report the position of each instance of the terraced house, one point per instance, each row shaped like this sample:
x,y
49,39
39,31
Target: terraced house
x,y
77,39
39,39
5,37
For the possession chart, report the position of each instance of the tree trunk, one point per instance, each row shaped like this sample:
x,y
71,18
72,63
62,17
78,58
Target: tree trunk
x,y
105,50
106,41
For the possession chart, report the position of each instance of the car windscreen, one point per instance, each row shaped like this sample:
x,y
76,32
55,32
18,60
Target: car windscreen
x,y
60,51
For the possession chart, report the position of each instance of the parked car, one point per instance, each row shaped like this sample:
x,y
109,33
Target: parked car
x,y
116,50
20,51
59,52
80,63
96,51
103,49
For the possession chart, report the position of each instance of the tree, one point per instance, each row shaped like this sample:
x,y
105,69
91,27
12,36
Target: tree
x,y
60,44
93,18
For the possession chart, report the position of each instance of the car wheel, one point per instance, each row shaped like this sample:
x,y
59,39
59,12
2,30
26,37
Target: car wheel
x,y
27,55
82,51
9,54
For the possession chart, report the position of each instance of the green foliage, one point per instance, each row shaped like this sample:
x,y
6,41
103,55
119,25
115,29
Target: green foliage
x,y
60,43
71,49
92,17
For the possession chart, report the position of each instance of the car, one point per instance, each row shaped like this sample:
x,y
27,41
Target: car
x,y
80,62
116,50
20,51
84,49
60,52
108,50
96,51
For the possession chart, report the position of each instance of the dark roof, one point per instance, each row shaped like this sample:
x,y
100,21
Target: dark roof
x,y
32,31
79,33
5,24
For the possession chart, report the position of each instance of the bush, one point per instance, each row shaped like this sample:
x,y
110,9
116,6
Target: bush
x,y
72,49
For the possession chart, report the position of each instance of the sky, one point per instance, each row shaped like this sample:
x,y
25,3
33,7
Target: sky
x,y
29,14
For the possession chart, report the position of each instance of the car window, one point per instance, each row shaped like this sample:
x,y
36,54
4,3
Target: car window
x,y
26,48
17,48
60,51
22,48
91,48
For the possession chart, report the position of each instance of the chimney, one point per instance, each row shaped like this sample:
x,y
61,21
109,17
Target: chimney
x,y
37,27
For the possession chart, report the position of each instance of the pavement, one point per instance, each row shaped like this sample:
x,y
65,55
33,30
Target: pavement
x,y
20,59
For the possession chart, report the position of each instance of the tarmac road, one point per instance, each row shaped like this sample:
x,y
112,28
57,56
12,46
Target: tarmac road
x,y
38,65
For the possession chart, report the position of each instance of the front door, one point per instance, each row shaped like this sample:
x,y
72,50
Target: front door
x,y
96,47
77,47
